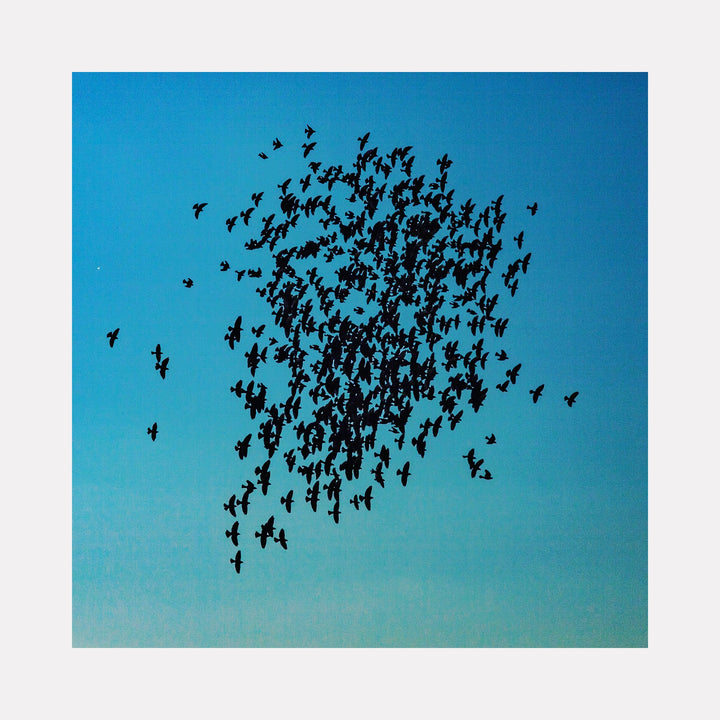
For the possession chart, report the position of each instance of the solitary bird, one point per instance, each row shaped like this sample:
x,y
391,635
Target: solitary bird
x,y
308,131
198,208
187,282
571,399
152,431
490,439
277,144
224,266
537,392
532,208
262,155
113,336
363,140
230,222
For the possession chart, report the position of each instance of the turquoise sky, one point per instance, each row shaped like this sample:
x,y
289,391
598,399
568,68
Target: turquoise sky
x,y
552,552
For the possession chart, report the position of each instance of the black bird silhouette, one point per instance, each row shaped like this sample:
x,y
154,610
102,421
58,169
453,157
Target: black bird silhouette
x,y
239,274
287,500
267,529
532,208
162,367
157,352
224,266
233,533
363,140
258,331
262,155
281,539
277,144
502,355
152,431
231,504
113,334
366,497
237,561
571,398
308,147
256,198
241,446
513,373
503,386
230,222
308,131
404,473
490,439
335,512
198,208
537,392
188,282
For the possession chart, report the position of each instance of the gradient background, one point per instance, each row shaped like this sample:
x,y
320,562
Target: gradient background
x,y
552,552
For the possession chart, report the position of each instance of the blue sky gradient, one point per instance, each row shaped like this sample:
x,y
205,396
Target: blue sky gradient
x,y
552,552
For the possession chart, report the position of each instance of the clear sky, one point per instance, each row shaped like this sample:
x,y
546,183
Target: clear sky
x,y
551,552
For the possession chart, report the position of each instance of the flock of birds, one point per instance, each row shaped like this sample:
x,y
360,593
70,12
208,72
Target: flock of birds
x,y
384,309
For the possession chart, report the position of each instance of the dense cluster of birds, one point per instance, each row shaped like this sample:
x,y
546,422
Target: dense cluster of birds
x,y
381,312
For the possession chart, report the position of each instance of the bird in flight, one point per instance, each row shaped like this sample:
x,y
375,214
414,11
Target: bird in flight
x,y
236,561
187,282
281,539
230,222
233,533
113,334
277,144
308,147
157,352
308,131
532,208
263,155
537,392
571,398
162,367
224,266
287,500
198,208
152,431
490,439
231,504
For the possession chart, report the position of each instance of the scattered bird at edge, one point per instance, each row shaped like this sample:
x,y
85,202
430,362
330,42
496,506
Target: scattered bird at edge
x,y
571,399
198,208
152,431
113,336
